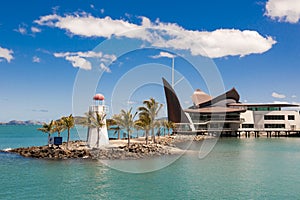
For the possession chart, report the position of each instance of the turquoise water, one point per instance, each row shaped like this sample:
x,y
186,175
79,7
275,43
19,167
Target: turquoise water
x,y
235,169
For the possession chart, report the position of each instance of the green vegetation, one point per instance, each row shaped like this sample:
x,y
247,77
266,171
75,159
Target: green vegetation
x,y
151,109
47,128
143,123
58,126
147,121
112,125
95,121
169,125
126,121
68,123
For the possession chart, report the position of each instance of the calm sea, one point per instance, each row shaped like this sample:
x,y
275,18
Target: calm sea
x,y
235,169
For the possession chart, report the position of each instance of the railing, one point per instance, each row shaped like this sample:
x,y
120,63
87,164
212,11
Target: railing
x,y
99,108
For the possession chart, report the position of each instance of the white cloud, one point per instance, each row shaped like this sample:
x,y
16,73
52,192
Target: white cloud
x,y
102,11
283,10
105,68
6,54
35,30
36,59
164,54
22,29
281,102
294,96
215,44
278,96
80,59
129,102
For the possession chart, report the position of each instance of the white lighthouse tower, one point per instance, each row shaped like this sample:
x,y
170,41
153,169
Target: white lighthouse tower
x,y
92,135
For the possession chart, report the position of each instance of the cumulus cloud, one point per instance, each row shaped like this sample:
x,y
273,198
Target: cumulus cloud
x,y
283,10
164,54
214,44
294,96
278,96
36,59
80,59
6,54
35,30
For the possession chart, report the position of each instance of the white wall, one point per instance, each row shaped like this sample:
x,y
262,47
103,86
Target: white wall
x,y
257,118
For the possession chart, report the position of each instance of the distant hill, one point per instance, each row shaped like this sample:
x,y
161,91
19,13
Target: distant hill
x,y
17,122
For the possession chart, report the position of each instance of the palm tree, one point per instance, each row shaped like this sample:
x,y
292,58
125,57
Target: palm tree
x,y
126,121
47,128
151,108
169,125
68,123
58,126
95,120
112,125
98,122
144,123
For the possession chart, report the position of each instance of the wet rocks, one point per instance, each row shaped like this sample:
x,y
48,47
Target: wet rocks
x,y
51,152
134,151
78,149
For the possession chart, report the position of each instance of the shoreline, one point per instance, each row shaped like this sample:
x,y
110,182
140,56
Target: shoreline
x,y
117,149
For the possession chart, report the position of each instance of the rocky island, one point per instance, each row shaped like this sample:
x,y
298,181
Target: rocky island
x,y
118,149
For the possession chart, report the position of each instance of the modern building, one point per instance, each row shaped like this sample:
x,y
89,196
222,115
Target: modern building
x,y
225,115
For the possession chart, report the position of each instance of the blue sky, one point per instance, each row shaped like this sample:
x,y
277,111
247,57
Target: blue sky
x,y
254,44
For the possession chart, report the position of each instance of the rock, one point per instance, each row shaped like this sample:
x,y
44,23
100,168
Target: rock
x,y
52,152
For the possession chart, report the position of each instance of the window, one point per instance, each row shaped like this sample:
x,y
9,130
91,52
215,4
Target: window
x,y
274,125
264,108
291,117
247,125
274,117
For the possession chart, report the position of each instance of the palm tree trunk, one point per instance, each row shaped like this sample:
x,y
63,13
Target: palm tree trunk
x,y
128,133
146,131
98,137
153,135
49,140
68,140
119,135
88,134
58,134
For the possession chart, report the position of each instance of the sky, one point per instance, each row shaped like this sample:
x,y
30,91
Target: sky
x,y
51,52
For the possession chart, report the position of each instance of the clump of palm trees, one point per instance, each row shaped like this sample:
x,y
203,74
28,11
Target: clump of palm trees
x,y
147,120
60,125
126,121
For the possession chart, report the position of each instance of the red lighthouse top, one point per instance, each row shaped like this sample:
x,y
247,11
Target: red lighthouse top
x,y
98,97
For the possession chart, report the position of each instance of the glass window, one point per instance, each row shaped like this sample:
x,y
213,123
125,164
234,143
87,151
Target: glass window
x,y
247,125
274,125
291,117
274,117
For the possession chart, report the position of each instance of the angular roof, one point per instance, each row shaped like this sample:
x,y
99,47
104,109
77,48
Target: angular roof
x,y
231,94
200,97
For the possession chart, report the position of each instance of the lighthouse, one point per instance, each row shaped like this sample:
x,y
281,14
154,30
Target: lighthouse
x,y
92,135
